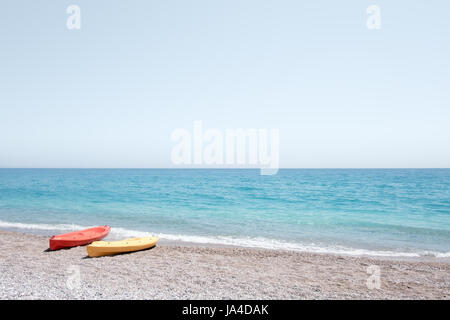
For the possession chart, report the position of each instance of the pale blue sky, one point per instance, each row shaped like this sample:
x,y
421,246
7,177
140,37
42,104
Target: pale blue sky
x,y
110,94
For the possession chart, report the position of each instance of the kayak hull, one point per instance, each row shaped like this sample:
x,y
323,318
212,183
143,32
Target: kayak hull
x,y
78,238
105,248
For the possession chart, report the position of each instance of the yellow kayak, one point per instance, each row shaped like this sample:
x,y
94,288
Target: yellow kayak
x,y
104,248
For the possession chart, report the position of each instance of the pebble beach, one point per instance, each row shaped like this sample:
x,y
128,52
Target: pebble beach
x,y
175,271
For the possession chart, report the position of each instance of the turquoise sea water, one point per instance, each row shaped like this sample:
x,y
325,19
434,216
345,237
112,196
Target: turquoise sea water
x,y
372,211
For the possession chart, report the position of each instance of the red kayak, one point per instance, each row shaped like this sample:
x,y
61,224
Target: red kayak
x,y
78,238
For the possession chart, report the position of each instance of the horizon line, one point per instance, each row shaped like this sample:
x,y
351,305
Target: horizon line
x,y
229,168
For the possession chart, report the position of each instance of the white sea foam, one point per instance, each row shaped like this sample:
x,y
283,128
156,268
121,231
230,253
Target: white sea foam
x,y
252,242
40,226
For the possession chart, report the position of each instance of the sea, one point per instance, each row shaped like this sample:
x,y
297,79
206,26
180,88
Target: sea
x,y
375,212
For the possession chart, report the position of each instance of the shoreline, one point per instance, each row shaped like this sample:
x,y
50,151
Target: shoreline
x,y
172,243
194,271
185,243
